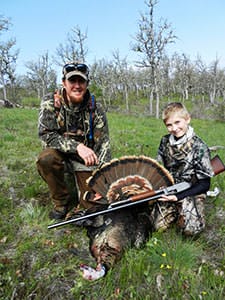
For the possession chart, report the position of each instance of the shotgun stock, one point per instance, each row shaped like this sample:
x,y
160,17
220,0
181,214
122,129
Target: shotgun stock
x,y
217,165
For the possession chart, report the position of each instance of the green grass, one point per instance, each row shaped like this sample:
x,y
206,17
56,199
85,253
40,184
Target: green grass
x,y
37,263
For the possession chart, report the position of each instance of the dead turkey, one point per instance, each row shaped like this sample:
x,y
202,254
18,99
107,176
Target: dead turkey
x,y
112,233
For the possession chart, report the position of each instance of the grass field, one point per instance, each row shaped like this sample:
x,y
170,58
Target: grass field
x,y
37,263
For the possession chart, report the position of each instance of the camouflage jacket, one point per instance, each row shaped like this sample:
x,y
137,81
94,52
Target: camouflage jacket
x,y
64,126
188,161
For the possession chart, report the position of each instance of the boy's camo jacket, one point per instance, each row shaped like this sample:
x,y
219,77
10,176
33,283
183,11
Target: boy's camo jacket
x,y
186,163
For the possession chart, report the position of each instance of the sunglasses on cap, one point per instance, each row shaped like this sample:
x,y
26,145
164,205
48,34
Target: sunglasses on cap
x,y
75,67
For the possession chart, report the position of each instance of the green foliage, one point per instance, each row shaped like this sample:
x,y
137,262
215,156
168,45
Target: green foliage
x,y
36,263
30,102
96,90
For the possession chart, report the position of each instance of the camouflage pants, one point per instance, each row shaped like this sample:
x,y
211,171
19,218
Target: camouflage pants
x,y
54,167
188,214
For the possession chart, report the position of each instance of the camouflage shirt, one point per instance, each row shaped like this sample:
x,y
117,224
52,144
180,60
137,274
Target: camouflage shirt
x,y
187,159
64,126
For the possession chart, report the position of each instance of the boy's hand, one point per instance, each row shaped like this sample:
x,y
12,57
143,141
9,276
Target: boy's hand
x,y
168,198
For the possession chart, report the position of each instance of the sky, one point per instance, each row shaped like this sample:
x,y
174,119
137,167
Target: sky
x,y
41,25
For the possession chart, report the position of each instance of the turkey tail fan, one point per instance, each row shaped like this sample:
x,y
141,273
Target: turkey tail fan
x,y
102,178
129,175
110,170
97,182
124,166
109,173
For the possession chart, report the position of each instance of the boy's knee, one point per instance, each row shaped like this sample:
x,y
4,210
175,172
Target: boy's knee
x,y
193,230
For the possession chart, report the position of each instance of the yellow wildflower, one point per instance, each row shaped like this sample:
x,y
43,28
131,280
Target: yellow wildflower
x,y
203,293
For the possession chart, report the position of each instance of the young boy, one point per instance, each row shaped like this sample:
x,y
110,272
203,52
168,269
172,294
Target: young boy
x,y
187,158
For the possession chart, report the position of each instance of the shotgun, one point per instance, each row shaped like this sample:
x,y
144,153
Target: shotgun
x,y
141,198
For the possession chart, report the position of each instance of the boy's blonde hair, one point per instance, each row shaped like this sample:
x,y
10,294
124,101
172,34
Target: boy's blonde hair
x,y
175,107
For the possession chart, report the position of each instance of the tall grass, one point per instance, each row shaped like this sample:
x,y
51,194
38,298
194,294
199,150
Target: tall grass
x,y
36,263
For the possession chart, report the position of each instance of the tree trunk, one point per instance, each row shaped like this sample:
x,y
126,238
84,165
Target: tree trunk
x,y
212,96
157,103
126,98
3,88
151,103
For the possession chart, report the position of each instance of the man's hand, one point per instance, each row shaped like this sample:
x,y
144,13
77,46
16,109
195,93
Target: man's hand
x,y
87,154
168,198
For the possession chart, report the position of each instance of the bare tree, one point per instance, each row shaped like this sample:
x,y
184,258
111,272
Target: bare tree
x,y
151,41
41,77
8,58
102,76
183,74
4,24
214,78
73,49
165,75
121,71
201,78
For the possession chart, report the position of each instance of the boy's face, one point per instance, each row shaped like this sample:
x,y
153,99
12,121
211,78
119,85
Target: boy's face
x,y
177,125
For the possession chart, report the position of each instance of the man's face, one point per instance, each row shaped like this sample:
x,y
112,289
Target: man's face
x,y
177,125
76,88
